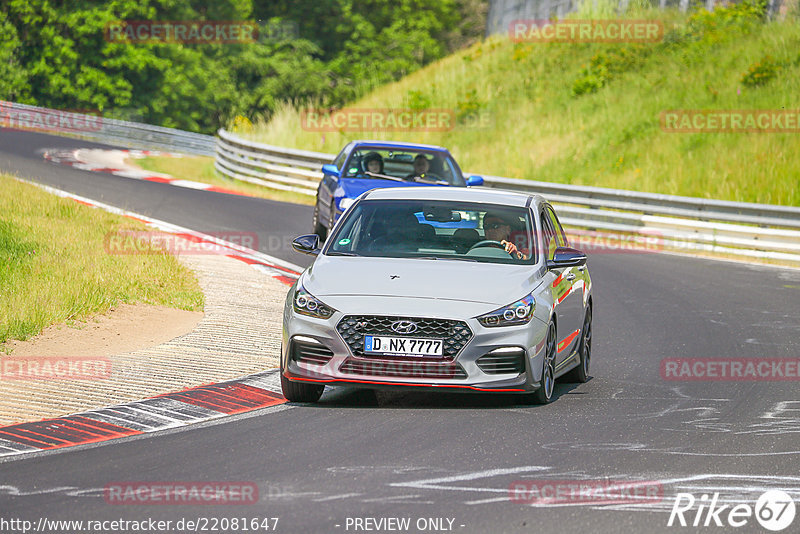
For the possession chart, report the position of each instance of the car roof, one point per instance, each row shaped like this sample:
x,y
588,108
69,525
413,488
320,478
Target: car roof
x,y
459,194
397,144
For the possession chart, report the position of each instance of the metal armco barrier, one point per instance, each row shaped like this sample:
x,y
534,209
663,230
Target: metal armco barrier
x,y
688,224
98,128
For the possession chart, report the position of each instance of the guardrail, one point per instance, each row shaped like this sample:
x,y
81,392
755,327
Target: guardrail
x,y
104,130
682,223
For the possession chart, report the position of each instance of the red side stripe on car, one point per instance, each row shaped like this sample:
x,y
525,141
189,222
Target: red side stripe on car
x,y
567,340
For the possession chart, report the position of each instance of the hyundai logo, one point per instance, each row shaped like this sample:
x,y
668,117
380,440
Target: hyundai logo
x,y
404,327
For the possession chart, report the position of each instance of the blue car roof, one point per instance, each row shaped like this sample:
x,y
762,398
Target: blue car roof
x,y
395,144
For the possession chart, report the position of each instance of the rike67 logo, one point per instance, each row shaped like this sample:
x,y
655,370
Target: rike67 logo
x,y
774,510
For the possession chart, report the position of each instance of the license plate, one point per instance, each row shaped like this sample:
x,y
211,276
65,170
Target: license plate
x,y
402,346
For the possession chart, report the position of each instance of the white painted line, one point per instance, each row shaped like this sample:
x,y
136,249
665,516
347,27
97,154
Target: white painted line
x,y
190,184
173,228
436,483
14,447
337,497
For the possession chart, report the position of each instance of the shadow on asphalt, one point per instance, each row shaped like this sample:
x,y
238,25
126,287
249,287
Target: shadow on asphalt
x,y
349,397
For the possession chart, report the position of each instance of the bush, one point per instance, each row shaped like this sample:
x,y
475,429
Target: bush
x,y
761,72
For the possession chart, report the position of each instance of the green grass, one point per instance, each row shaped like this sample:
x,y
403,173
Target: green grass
x,y
54,267
201,169
588,113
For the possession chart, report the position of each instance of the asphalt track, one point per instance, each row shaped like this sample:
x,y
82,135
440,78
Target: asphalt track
x,y
454,456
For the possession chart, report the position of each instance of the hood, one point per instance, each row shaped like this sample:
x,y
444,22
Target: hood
x,y
353,187
483,283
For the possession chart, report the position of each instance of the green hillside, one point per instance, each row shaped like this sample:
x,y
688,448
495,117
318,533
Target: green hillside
x,y
589,113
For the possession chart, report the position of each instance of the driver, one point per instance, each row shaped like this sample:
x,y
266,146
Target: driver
x,y
421,166
497,228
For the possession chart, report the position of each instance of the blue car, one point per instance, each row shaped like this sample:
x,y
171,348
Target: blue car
x,y
365,165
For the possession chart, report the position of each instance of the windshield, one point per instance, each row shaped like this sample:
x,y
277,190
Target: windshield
x,y
415,166
441,230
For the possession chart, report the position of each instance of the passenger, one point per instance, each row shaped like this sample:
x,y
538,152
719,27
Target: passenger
x,y
498,228
373,162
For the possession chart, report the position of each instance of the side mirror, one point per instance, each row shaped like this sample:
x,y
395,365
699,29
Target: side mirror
x,y
566,257
329,169
307,244
474,180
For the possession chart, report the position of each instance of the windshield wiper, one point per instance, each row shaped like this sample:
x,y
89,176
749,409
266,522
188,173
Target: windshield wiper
x,y
334,253
443,258
456,258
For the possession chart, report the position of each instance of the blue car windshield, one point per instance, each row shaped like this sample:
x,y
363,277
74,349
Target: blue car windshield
x,y
436,229
396,164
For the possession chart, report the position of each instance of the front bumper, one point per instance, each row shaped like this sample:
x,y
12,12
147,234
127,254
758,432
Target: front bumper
x,y
314,351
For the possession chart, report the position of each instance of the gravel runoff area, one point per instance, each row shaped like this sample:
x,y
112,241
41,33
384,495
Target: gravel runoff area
x,y
239,334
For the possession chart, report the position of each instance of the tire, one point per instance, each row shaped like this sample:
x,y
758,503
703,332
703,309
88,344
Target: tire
x,y
300,392
319,229
544,394
581,373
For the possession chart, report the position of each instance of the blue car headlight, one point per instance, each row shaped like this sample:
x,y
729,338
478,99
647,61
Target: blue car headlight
x,y
305,303
514,314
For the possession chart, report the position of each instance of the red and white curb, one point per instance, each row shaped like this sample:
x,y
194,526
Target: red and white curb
x,y
171,410
110,161
166,411
281,270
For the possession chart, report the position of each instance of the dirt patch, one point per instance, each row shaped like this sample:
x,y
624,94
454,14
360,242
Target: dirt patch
x,y
125,328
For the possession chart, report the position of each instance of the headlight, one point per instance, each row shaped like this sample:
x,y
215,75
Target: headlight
x,y
305,303
514,314
345,203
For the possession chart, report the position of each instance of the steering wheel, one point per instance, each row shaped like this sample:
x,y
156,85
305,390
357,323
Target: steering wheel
x,y
487,243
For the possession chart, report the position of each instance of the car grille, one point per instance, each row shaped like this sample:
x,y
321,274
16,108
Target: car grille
x,y
316,353
455,334
501,363
403,369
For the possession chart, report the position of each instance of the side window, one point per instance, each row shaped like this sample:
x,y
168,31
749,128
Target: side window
x,y
339,161
562,237
549,235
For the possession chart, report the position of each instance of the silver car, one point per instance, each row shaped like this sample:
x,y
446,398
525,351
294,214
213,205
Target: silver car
x,y
439,288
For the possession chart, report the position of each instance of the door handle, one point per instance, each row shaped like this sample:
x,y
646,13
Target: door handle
x,y
570,276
